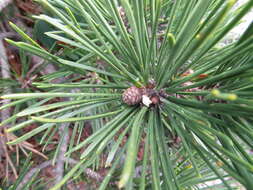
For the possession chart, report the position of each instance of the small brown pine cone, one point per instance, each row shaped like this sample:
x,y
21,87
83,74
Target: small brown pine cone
x,y
132,96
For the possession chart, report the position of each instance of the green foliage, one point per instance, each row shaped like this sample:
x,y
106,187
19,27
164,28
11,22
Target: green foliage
x,y
205,91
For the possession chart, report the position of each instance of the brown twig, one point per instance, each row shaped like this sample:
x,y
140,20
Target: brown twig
x,y
30,174
90,173
8,35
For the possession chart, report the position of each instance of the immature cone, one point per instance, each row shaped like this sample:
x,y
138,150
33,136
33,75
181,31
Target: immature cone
x,y
132,96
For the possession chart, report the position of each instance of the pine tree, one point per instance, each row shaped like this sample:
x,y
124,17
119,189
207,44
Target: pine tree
x,y
169,108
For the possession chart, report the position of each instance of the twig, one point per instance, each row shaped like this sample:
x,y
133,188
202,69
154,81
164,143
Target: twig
x,y
9,161
45,164
63,130
30,174
37,61
8,35
4,3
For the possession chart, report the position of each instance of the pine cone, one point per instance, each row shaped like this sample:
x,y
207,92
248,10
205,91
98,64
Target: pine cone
x,y
132,96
